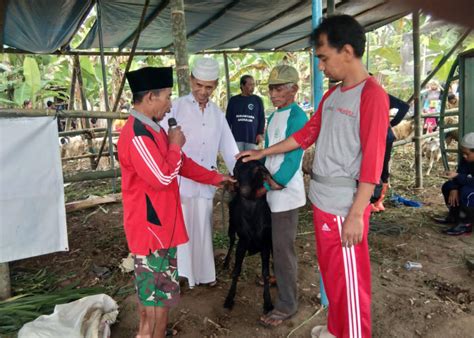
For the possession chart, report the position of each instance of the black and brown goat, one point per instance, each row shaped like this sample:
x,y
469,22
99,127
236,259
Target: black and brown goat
x,y
250,219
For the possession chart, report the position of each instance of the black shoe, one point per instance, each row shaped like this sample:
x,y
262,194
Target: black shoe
x,y
444,220
460,229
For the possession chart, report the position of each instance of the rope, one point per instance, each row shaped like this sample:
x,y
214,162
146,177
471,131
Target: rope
x,y
321,309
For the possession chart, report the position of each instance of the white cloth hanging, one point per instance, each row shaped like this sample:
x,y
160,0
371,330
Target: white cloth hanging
x,y
32,212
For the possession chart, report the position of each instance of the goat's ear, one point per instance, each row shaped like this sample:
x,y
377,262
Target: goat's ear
x,y
265,171
232,187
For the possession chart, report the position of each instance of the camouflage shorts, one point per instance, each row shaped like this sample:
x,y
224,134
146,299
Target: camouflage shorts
x,y
156,278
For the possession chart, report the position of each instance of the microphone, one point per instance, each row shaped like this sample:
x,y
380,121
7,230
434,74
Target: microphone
x,y
172,123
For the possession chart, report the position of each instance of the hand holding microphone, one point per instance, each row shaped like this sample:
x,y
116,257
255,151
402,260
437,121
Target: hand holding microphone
x,y
175,135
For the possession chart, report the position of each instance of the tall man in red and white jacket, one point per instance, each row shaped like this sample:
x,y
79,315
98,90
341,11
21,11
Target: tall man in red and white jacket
x,y
151,161
350,129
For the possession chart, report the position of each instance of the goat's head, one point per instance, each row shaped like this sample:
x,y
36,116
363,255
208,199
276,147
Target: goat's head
x,y
250,177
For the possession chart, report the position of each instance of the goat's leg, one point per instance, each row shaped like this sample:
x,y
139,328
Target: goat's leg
x,y
430,165
239,259
231,246
267,298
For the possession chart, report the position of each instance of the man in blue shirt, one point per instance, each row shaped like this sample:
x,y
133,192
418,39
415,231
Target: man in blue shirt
x,y
246,116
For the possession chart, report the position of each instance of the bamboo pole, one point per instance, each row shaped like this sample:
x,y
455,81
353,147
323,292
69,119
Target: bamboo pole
x,y
72,93
122,85
89,203
227,77
91,131
131,55
422,137
416,84
10,113
79,157
92,175
317,13
141,53
178,28
106,96
5,286
80,82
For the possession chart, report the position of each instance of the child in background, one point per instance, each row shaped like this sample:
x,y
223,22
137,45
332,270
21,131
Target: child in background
x,y
458,192
431,104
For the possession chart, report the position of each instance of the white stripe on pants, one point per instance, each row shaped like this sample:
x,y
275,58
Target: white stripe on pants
x,y
352,287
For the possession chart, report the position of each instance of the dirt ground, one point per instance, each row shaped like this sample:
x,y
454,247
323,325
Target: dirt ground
x,y
436,301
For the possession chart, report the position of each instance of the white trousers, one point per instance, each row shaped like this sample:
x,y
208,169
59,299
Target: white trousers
x,y
196,257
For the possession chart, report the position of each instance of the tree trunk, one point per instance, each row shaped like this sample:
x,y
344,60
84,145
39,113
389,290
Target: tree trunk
x,y
178,27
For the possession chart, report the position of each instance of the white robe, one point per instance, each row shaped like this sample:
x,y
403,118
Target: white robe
x,y
207,134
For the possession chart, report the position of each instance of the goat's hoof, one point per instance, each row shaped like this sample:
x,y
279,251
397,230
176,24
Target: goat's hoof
x,y
267,309
229,304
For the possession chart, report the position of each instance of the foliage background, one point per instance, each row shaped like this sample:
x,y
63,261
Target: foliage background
x,y
42,77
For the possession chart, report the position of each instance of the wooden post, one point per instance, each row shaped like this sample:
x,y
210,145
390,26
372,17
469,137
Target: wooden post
x,y
92,175
417,110
132,53
72,93
122,84
78,73
106,97
5,287
178,27
227,77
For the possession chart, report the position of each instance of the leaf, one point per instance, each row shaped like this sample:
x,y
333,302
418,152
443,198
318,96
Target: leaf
x,y
392,55
22,93
86,66
2,100
32,76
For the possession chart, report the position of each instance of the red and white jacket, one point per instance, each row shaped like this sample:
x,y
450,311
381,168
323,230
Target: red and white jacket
x,y
153,218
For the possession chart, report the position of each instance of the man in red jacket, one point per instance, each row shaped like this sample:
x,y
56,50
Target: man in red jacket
x,y
151,161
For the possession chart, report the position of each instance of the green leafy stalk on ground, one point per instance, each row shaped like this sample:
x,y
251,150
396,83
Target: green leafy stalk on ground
x,y
36,294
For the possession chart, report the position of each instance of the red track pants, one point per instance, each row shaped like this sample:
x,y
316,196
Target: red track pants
x,y
346,276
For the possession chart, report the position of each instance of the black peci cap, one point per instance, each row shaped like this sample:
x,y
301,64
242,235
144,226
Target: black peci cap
x,y
150,78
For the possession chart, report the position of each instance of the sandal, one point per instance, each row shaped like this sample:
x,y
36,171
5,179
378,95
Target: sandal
x,y
274,318
212,284
170,332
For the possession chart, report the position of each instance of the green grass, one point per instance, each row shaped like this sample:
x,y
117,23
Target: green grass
x,y
220,240
81,190
36,294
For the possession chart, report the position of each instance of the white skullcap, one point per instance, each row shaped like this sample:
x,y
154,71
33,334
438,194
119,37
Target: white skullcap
x,y
468,141
206,69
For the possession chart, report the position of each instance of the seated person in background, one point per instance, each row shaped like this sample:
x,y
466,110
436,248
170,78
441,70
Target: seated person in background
x,y
458,192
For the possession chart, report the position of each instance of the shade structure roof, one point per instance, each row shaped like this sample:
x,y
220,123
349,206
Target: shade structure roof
x,y
48,26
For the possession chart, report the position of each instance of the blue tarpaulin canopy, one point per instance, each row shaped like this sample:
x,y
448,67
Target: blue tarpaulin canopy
x,y
47,26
